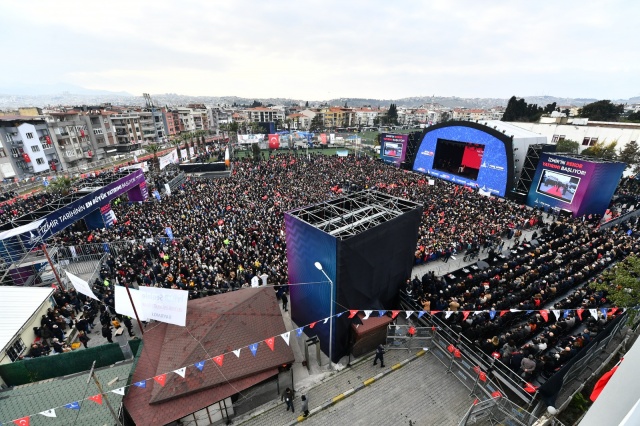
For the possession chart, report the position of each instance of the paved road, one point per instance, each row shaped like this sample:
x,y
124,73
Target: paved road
x,y
418,394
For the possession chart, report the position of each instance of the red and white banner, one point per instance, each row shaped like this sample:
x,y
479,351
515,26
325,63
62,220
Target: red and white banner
x,y
274,141
323,138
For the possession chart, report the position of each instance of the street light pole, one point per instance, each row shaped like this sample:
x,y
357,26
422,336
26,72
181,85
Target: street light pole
x,y
319,266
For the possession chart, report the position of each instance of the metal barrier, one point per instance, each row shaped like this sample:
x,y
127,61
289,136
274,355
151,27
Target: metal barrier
x,y
620,219
177,181
407,337
497,411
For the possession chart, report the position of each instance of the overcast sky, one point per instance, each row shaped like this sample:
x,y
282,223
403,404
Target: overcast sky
x,y
318,50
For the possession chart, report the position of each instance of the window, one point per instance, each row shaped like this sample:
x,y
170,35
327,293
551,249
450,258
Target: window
x,y
16,349
593,141
35,148
40,161
585,141
16,152
561,138
2,153
29,135
97,131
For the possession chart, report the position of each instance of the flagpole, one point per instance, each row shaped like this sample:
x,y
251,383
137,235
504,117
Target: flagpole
x,y
126,286
106,397
55,271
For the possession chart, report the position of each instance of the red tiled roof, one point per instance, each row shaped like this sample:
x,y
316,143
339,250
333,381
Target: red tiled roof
x,y
371,323
220,324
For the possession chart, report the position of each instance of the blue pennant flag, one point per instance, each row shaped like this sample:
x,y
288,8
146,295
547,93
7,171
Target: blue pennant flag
x,y
169,233
340,314
199,365
492,314
566,313
529,311
253,348
381,313
106,247
604,311
420,314
73,406
141,384
299,331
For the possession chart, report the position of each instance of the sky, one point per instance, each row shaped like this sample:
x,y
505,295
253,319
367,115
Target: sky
x,y
319,50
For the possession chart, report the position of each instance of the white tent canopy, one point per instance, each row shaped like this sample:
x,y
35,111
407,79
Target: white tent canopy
x,y
17,306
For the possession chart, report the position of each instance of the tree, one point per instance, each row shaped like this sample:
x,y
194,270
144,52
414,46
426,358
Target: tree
x,y
602,111
634,116
630,155
621,284
445,116
550,108
255,148
153,148
519,110
392,114
567,145
306,105
602,150
61,185
256,104
316,123
176,142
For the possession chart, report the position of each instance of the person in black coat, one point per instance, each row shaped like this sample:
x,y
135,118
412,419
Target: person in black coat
x,y
379,356
106,332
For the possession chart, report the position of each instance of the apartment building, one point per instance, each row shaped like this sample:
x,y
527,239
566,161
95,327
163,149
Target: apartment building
x,y
219,116
365,117
126,125
26,147
187,123
71,137
264,114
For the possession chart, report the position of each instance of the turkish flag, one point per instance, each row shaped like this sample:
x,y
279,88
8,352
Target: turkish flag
x,y
25,157
352,313
270,342
48,140
602,383
219,359
274,141
24,421
96,398
161,379
82,133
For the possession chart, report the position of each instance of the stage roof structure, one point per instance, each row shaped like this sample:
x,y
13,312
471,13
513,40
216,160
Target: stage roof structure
x,y
354,213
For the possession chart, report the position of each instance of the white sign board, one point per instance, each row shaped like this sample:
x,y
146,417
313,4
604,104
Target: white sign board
x,y
167,189
170,158
123,304
183,154
165,304
81,285
255,281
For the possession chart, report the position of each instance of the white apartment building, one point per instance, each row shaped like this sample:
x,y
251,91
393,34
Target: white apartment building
x,y
264,114
364,117
27,147
186,118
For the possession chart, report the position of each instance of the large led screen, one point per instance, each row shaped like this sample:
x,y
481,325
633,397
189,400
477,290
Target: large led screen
x,y
393,147
558,185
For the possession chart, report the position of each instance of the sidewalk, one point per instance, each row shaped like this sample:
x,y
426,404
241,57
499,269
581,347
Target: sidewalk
x,y
330,389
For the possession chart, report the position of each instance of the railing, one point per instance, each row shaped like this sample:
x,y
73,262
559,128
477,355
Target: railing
x,y
620,219
177,181
497,411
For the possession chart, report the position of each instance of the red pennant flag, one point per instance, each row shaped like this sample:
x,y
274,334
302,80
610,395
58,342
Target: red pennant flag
x,y
457,353
394,314
23,421
475,401
483,376
451,348
503,313
530,388
465,314
435,312
544,313
96,398
600,384
496,355
579,312
352,313
496,394
161,379
218,359
313,324
270,342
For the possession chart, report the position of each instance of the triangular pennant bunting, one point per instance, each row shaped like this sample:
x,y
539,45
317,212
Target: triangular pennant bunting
x,y
465,314
237,353
544,314
73,405
604,311
96,398
313,324
366,314
503,313
579,312
270,342
594,313
299,331
352,313
409,313
394,314
161,379
420,314
24,421
447,314
285,337
492,314
325,320
556,313
181,371
120,391
566,313
199,365
48,413
218,359
253,348
381,313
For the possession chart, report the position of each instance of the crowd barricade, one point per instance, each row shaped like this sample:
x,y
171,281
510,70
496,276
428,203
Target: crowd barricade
x,y
407,337
499,411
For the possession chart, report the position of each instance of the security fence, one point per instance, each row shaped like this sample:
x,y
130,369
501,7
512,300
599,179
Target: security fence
x,y
407,337
497,411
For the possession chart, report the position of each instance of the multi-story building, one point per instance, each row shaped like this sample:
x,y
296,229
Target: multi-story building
x,y
264,114
338,117
27,147
71,137
126,125
186,119
152,125
173,124
299,121
101,132
219,116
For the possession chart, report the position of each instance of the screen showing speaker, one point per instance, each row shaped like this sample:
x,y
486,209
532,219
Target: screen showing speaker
x,y
458,158
558,185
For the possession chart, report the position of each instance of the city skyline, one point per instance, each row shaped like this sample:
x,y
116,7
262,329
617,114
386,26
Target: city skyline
x,y
325,50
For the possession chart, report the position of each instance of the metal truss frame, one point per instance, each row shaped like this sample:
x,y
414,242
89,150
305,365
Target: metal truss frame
x,y
354,213
59,203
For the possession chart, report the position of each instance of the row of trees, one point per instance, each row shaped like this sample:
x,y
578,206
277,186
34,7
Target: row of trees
x,y
520,110
604,110
630,154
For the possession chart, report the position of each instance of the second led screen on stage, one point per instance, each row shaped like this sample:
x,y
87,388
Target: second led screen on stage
x,y
459,158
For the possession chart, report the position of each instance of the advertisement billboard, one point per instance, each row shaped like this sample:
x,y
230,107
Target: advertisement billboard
x,y
393,147
580,185
467,153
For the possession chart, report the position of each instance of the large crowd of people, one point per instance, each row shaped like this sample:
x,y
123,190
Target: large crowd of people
x,y
226,231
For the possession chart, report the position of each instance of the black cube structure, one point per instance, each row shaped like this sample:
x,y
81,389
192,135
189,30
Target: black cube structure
x,y
365,244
